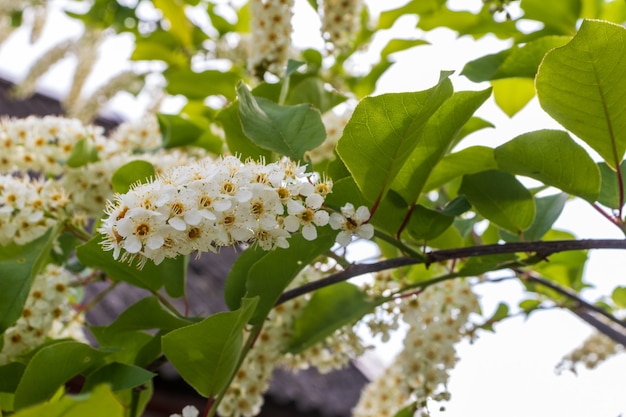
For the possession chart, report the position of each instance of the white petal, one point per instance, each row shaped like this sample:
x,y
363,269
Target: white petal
x,y
132,244
366,231
321,218
362,214
314,201
344,238
294,207
222,205
177,223
291,223
193,217
337,221
309,232
155,242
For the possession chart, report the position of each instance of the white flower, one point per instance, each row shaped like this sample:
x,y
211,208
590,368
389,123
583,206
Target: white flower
x,y
351,222
188,411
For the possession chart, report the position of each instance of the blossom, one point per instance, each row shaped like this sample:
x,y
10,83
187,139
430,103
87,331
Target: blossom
x,y
351,222
188,411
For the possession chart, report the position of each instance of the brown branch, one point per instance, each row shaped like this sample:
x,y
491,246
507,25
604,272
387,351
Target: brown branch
x,y
602,327
539,248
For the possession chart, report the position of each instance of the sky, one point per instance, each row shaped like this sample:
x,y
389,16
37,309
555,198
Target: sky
x,y
512,372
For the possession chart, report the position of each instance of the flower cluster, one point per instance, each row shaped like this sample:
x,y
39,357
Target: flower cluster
x,y
245,395
208,204
436,319
594,350
42,144
28,208
340,22
47,313
270,24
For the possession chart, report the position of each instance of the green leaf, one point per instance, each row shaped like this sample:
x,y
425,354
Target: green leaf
x,y
131,173
609,190
478,265
266,274
528,306
398,45
312,90
548,210
590,96
178,131
559,16
99,403
83,152
127,347
288,130
516,62
408,411
148,49
388,17
199,85
500,198
467,161
501,313
365,85
18,267
329,309
435,140
150,277
512,94
619,297
10,375
146,314
50,368
237,141
206,353
426,224
174,12
552,157
382,133
119,376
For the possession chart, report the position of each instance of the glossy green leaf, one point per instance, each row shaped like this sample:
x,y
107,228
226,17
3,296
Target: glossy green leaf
x,y
101,402
468,23
528,306
382,133
425,224
206,353
474,124
552,157
560,16
500,198
288,130
609,190
19,264
237,141
434,141
619,297
467,161
345,191
329,309
502,312
146,314
118,376
512,94
266,274
83,152
549,209
199,85
131,173
364,85
150,277
50,368
590,96
564,268
127,347
399,45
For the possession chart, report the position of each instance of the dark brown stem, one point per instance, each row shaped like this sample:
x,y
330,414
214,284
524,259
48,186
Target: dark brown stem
x,y
541,250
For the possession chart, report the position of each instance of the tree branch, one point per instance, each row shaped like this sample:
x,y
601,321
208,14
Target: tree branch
x,y
540,248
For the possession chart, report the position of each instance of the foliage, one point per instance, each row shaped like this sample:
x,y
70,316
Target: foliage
x,y
394,168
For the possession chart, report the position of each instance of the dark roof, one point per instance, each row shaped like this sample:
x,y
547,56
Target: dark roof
x,y
308,392
40,105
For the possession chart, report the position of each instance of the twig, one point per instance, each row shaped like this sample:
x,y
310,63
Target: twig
x,y
540,248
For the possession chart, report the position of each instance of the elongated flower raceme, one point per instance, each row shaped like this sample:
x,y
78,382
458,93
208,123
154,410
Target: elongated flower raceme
x,y
205,205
